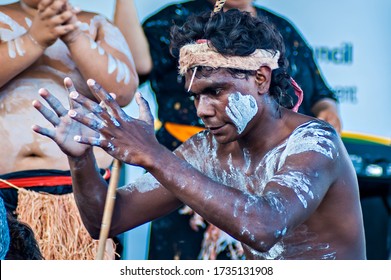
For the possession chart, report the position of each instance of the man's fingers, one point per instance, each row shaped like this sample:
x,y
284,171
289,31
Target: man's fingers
x,y
53,102
107,100
68,83
94,124
93,107
102,95
48,114
144,109
44,131
93,141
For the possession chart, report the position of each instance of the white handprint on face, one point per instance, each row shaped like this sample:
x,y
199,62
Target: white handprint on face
x,y
241,109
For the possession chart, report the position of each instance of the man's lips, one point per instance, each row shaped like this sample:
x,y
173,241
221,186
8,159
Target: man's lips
x,y
215,128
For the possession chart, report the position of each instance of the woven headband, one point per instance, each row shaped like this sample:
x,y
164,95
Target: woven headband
x,y
202,54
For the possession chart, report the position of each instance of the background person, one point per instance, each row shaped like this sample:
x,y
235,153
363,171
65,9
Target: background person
x,y
41,43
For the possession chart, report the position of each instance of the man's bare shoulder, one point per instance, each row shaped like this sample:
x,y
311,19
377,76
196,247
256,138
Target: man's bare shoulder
x,y
317,135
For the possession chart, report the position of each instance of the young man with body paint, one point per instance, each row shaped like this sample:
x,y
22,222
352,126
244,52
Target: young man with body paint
x,y
171,237
41,43
279,182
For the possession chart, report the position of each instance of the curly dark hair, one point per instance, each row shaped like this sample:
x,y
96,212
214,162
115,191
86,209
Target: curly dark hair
x,y
237,33
23,245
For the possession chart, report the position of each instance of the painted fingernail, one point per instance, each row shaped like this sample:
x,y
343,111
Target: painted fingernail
x,y
91,82
72,113
77,138
73,95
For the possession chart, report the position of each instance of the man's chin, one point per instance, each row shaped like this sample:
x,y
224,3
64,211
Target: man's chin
x,y
223,139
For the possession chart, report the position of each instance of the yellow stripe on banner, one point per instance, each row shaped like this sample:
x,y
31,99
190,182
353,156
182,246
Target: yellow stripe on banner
x,y
182,132
366,137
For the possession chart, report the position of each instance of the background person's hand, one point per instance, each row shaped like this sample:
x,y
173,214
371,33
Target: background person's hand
x,y
53,20
326,110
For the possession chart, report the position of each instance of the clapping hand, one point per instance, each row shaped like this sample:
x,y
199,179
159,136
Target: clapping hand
x,y
104,125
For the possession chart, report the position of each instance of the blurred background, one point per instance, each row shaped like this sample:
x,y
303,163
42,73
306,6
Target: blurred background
x,y
351,41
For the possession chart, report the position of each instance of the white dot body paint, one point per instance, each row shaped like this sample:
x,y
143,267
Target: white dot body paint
x,y
312,136
297,181
241,109
114,38
12,36
28,21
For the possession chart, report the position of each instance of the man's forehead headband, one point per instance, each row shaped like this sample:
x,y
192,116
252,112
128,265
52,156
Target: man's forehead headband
x,y
202,53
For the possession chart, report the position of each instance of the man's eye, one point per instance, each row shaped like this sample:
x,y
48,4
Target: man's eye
x,y
218,91
194,96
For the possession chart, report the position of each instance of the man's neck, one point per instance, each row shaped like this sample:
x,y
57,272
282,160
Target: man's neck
x,y
272,125
29,10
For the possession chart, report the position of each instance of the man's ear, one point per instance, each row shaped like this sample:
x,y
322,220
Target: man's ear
x,y
263,78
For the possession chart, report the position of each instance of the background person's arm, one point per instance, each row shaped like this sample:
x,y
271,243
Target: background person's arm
x,y
102,53
126,18
17,54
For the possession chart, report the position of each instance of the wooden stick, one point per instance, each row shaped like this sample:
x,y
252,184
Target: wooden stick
x,y
9,184
108,211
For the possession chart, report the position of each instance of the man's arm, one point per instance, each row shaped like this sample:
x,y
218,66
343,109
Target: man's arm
x,y
126,18
248,218
135,204
108,52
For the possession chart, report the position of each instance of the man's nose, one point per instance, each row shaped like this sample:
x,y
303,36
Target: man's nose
x,y
204,107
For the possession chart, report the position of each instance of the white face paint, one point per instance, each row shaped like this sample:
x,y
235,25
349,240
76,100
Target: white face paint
x,y
241,109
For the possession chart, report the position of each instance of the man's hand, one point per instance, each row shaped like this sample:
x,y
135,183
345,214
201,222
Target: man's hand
x,y
326,110
54,19
130,140
65,128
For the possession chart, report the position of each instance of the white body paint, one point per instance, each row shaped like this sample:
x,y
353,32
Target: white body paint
x,y
309,137
143,184
114,39
11,36
241,109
